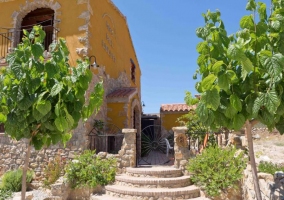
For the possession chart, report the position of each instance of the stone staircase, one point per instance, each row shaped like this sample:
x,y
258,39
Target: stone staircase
x,y
151,183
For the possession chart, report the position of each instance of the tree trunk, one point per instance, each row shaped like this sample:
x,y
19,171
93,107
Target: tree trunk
x,y
25,169
252,160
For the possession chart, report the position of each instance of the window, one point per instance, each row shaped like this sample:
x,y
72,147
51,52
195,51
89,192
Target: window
x,y
132,70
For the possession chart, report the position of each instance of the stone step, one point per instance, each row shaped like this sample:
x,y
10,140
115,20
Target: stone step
x,y
158,172
108,197
152,182
126,192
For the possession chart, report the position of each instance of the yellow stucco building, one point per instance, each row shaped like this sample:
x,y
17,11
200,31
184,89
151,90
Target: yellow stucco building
x,y
92,28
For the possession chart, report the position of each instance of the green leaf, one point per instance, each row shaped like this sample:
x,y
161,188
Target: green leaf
x,y
57,109
50,69
55,138
280,109
56,89
25,103
224,81
37,142
272,63
230,112
69,119
202,47
247,22
207,82
61,124
37,115
238,121
210,118
3,118
211,99
276,25
251,5
37,50
202,111
202,32
216,67
236,102
43,107
65,138
258,103
271,101
262,11
247,64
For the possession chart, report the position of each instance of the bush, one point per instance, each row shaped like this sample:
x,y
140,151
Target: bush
x,y
5,194
53,170
269,167
90,170
216,169
12,180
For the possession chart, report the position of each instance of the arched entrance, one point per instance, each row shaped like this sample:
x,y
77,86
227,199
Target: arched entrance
x,y
43,17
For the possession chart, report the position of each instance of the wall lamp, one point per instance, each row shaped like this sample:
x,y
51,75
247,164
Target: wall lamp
x,y
143,105
94,65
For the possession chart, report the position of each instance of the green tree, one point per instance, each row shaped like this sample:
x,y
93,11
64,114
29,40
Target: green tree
x,y
195,129
43,100
242,74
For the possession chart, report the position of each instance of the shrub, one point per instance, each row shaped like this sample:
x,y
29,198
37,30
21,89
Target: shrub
x,y
12,180
216,169
269,167
53,170
90,170
5,194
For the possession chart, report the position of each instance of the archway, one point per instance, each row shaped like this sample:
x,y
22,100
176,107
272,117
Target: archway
x,y
136,124
43,17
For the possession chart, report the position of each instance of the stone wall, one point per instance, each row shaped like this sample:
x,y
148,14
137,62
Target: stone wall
x,y
271,187
13,154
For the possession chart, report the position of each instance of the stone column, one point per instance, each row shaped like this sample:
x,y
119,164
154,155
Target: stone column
x,y
182,153
128,149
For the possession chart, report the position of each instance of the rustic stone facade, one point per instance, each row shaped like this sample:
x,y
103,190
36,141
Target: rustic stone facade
x,y
270,187
13,155
182,153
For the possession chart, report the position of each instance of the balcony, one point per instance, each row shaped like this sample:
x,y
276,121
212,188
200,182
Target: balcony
x,y
10,38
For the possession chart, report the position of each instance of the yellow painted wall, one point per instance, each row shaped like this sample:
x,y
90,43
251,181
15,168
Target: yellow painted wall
x,y
109,36
111,42
116,114
169,120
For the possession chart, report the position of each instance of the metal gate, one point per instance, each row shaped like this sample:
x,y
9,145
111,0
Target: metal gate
x,y
105,137
156,147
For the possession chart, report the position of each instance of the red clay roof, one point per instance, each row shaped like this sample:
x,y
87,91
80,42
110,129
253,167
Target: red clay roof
x,y
121,92
177,107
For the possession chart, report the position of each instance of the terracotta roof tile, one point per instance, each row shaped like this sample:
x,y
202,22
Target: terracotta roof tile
x,y
177,107
121,92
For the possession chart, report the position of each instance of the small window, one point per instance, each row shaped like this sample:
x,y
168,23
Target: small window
x,y
132,70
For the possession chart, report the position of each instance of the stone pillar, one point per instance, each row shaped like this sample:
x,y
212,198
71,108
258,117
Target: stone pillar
x,y
128,149
182,153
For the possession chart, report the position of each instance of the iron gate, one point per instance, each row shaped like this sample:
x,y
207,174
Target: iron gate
x,y
105,137
156,147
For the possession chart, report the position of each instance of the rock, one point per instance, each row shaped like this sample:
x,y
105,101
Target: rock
x,y
29,196
102,155
264,158
265,176
256,136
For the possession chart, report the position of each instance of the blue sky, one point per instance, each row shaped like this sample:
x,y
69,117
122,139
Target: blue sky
x,y
163,34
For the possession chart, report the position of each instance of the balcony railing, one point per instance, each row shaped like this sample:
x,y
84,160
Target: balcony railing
x,y
10,37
